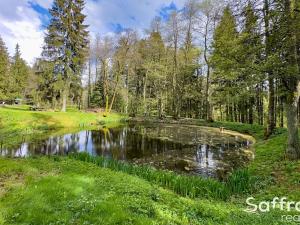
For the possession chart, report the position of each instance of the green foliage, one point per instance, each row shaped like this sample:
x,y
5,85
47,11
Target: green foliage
x,y
19,75
4,71
65,47
68,191
97,97
187,186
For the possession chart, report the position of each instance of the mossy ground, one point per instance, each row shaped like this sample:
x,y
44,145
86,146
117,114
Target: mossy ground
x,y
66,191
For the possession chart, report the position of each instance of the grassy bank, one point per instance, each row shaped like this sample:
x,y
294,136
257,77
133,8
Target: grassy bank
x,y
65,191
18,121
275,175
187,186
98,191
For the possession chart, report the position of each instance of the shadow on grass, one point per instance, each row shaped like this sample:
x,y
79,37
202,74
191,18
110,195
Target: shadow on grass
x,y
16,107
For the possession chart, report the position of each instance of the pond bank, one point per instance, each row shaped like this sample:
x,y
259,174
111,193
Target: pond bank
x,y
194,122
275,175
17,121
66,191
84,192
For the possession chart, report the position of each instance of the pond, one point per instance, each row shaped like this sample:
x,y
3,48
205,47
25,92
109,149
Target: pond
x,y
182,148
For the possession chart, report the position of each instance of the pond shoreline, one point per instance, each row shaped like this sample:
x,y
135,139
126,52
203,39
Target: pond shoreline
x,y
191,122
266,172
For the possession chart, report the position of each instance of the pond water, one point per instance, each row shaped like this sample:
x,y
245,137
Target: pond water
x,y
181,148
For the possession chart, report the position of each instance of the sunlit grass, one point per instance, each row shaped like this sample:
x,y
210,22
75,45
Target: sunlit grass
x,y
188,186
59,190
17,121
48,185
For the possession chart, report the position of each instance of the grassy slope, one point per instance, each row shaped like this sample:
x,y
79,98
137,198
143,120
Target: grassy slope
x,y
41,191
65,191
276,175
18,121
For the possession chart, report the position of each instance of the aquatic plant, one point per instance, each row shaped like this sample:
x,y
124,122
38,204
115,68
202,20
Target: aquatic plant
x,y
187,186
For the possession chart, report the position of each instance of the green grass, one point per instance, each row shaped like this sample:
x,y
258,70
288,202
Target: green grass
x,y
97,191
18,121
66,191
187,186
273,173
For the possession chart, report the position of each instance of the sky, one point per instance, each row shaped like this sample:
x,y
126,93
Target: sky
x,y
24,21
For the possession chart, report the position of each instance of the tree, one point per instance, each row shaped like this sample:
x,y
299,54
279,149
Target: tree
x,y
209,14
250,57
291,77
268,52
105,53
155,73
223,59
4,71
121,63
19,74
174,28
66,42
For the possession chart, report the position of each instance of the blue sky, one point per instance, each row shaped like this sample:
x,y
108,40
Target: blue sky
x,y
24,21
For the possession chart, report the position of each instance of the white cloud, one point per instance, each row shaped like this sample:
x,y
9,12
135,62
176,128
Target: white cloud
x,y
19,23
44,3
134,14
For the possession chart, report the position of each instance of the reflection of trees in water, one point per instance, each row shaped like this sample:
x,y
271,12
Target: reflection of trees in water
x,y
110,143
159,144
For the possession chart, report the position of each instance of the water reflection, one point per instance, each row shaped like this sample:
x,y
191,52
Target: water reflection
x,y
180,148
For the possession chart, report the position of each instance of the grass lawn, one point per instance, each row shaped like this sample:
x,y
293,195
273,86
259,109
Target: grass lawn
x,y
59,190
66,191
16,121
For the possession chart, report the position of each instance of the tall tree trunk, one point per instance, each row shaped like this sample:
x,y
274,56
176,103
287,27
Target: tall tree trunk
x,y
271,112
89,85
144,93
293,146
105,85
271,108
251,103
261,105
65,94
293,82
115,88
281,106
208,114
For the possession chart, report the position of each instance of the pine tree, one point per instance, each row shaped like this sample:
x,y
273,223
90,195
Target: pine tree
x,y
19,74
250,64
66,42
4,71
224,62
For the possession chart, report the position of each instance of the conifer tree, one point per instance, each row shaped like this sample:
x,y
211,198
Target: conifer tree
x,y
19,74
66,43
250,66
225,49
4,71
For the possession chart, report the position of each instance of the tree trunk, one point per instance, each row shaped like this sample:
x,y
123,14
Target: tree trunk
x,y
293,146
271,111
115,89
144,93
89,85
65,94
251,110
292,80
208,114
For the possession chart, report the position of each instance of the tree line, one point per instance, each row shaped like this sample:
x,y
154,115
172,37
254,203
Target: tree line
x,y
15,75
230,61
